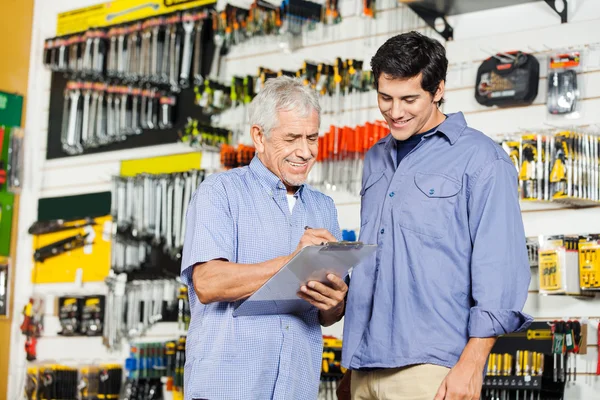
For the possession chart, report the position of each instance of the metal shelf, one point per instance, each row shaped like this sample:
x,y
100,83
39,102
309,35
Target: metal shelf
x,y
434,12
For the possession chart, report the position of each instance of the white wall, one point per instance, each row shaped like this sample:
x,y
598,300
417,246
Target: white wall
x,y
530,27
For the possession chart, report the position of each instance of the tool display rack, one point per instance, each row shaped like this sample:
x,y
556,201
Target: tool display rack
x,y
183,96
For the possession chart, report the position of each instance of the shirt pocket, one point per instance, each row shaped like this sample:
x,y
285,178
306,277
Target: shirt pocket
x,y
369,198
428,204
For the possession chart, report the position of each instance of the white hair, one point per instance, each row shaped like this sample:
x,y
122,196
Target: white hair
x,y
281,94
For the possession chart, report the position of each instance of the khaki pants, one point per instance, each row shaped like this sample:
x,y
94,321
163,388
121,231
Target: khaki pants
x,y
418,382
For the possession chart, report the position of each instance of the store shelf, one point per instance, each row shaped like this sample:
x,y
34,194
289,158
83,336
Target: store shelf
x,y
455,7
556,204
433,12
513,382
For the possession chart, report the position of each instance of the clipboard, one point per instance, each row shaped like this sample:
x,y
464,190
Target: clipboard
x,y
279,295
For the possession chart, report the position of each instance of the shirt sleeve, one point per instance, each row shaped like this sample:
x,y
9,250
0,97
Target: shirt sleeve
x,y
500,272
334,226
210,231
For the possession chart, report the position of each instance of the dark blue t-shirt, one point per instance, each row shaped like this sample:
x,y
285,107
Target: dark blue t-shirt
x,y
403,147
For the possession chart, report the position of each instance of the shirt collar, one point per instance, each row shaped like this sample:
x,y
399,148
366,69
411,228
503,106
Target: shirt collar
x,y
452,127
268,179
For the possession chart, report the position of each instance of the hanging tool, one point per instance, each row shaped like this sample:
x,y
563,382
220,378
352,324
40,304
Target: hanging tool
x,y
60,247
189,24
198,49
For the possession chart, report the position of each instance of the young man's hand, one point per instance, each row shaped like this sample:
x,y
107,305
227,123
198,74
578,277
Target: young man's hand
x,y
463,382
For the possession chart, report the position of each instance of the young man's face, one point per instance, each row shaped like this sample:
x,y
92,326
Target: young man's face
x,y
291,149
406,107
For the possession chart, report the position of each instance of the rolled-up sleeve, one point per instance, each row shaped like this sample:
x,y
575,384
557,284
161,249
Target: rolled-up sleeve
x,y
500,272
210,231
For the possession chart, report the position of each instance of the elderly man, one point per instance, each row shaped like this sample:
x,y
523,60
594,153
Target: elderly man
x,y
243,226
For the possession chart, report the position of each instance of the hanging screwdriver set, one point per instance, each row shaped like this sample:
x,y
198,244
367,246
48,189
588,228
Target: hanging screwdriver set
x,y
535,364
561,166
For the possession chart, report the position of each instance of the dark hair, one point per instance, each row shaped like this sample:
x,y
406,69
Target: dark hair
x,y
405,56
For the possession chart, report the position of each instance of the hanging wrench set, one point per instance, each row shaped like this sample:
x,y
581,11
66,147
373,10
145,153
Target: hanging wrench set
x,y
97,114
134,306
149,213
159,50
135,79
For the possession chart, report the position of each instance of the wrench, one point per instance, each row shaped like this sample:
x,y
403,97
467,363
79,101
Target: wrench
x,y
169,233
198,53
121,52
135,110
164,70
219,40
65,118
112,52
187,194
101,122
85,125
73,147
157,211
174,57
131,52
144,53
178,188
151,114
87,52
116,114
166,108
62,54
164,207
144,109
123,125
188,42
98,53
154,51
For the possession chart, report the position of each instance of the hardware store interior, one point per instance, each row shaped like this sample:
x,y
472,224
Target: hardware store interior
x,y
112,115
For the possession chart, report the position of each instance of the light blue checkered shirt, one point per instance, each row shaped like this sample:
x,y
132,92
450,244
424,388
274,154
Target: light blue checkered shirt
x,y
243,216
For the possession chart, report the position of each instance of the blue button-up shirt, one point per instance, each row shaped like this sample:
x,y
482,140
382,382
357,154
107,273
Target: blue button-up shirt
x,y
243,216
451,261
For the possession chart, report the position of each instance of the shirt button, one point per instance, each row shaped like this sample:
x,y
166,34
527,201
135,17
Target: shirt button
x,y
382,231
392,194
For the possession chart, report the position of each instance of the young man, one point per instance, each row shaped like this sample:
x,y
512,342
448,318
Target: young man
x,y
243,226
451,273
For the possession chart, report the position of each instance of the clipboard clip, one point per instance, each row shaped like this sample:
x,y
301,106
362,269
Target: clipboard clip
x,y
341,246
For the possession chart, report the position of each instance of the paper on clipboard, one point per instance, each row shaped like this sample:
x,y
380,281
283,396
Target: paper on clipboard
x,y
279,294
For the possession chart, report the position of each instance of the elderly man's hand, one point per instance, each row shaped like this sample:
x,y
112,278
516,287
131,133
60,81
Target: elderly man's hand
x,y
326,297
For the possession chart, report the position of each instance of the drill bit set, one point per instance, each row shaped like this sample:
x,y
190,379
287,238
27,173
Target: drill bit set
x,y
98,114
562,167
569,264
149,213
89,382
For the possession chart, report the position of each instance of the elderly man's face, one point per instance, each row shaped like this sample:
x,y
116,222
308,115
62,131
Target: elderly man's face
x,y
291,149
